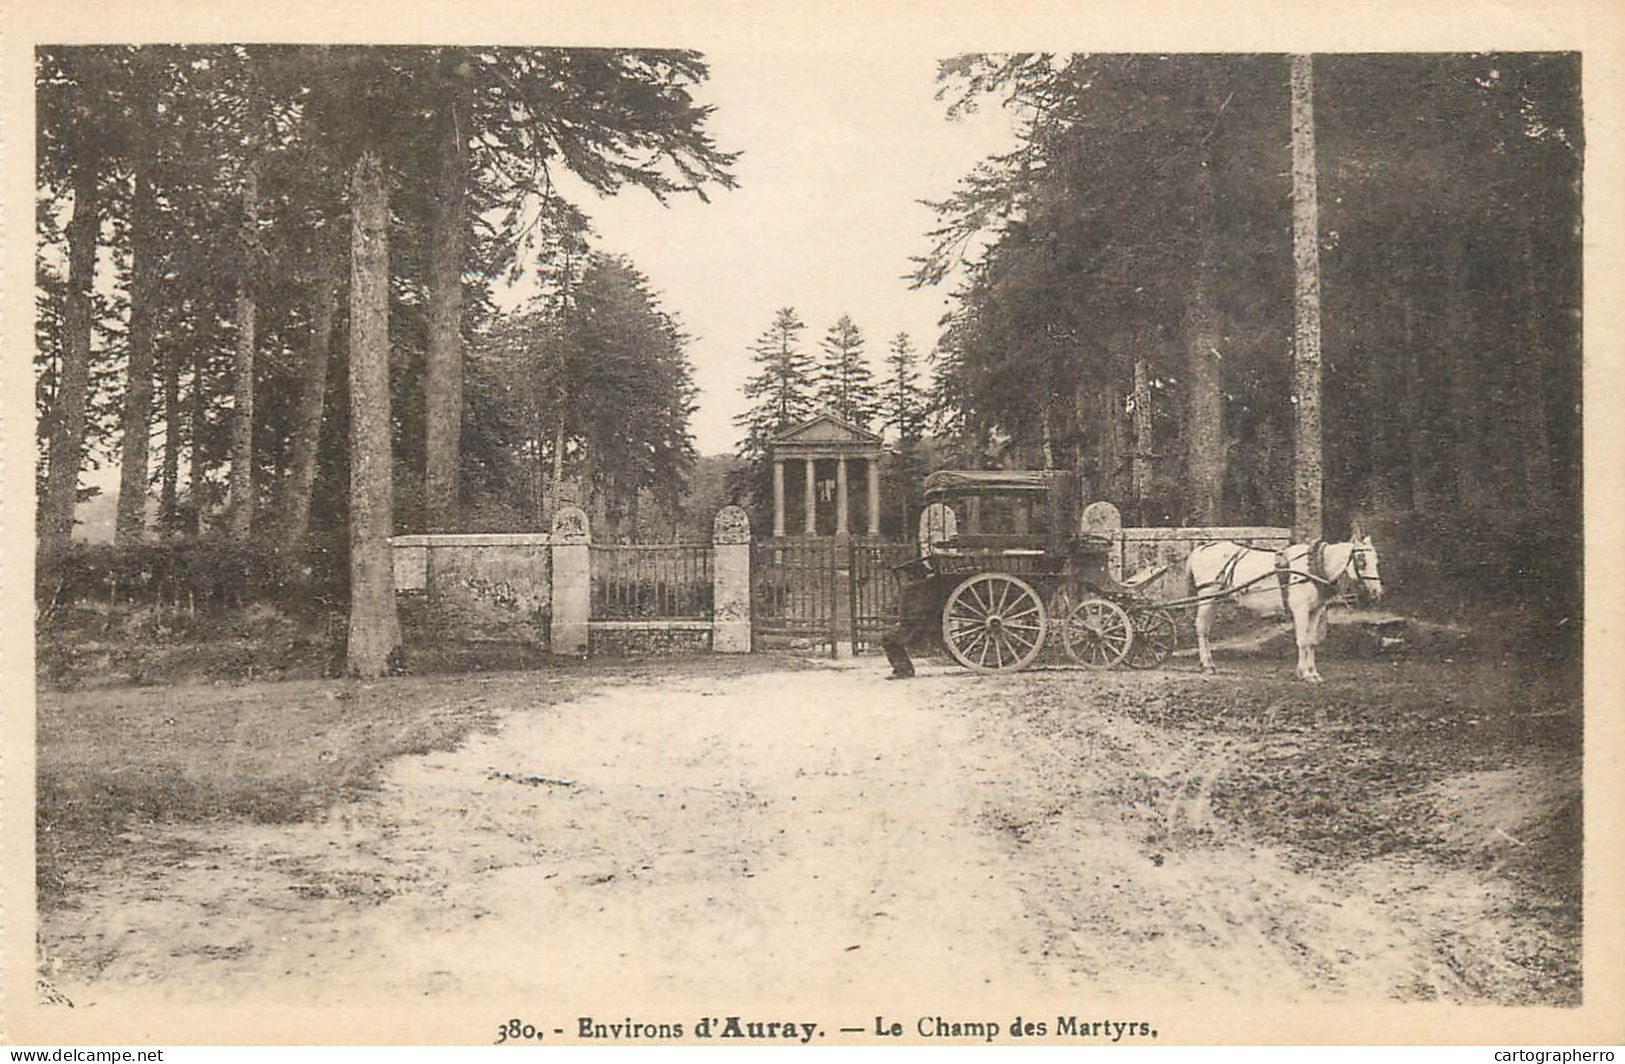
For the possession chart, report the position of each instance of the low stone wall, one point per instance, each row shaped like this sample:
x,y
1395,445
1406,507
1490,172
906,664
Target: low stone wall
x,y
481,586
617,639
1149,547
536,588
1140,548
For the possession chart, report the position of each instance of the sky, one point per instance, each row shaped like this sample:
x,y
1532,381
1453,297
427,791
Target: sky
x,y
838,151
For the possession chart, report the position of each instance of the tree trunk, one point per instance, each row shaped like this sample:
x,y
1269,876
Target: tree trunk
x,y
169,503
1112,442
1205,451
1140,475
1048,447
558,460
307,430
68,432
199,419
1270,447
1465,385
132,491
375,634
1306,439
240,504
443,389
1115,445
1534,356
1420,455
538,472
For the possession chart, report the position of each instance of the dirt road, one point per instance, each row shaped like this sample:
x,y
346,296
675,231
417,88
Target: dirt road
x,y
802,836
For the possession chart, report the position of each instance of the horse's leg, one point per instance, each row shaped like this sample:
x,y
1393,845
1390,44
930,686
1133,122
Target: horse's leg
x,y
1204,621
1318,628
1302,630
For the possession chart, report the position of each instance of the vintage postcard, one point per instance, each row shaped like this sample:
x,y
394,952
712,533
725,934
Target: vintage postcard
x,y
806,524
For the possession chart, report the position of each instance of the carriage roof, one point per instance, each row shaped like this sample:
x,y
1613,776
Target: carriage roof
x,y
990,481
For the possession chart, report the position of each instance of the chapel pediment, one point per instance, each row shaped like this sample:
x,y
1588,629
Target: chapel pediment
x,y
825,428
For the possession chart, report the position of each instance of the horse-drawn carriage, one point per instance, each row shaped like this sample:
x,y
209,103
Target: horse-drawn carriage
x,y
1025,568
1021,572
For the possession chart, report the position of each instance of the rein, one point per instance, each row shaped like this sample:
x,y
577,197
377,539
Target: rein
x,y
1359,575
1285,575
1227,571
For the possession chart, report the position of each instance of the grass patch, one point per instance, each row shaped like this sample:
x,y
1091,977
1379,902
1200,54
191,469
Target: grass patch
x,y
259,752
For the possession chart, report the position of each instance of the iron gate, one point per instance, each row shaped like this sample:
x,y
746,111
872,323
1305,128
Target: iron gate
x,y
826,589
793,588
873,589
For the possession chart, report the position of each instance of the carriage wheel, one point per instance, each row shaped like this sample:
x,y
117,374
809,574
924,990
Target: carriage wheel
x,y
1097,633
1155,636
994,622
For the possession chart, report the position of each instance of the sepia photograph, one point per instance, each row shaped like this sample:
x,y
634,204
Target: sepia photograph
x,y
553,538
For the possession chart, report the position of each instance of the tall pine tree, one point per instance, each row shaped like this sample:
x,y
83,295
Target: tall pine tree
x,y
903,404
781,392
846,385
903,408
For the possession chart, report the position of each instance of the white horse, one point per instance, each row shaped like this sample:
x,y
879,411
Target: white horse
x,y
1303,586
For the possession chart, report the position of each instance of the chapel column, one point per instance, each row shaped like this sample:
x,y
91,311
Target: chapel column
x,y
874,496
778,498
840,495
812,500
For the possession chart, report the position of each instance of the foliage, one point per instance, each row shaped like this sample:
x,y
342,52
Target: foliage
x,y
193,122
1449,264
903,408
602,373
782,393
190,575
782,390
902,399
846,384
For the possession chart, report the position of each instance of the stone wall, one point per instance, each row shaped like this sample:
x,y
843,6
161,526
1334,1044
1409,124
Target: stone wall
x,y
1148,548
536,588
649,639
496,587
1140,548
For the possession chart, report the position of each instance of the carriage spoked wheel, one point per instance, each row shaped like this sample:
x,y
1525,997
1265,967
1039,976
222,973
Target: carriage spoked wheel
x,y
1155,636
994,622
1097,633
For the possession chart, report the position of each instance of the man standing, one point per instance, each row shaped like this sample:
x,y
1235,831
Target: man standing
x,y
919,616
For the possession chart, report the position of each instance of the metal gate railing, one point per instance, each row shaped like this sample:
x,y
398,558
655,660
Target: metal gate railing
x,y
794,588
874,589
640,582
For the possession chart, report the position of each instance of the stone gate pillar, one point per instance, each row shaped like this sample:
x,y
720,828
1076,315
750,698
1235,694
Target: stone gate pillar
x,y
730,581
572,581
1104,519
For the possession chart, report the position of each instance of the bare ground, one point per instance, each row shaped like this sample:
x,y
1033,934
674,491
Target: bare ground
x,y
1406,832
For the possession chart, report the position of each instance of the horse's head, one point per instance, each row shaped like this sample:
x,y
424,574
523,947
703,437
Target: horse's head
x,y
1364,562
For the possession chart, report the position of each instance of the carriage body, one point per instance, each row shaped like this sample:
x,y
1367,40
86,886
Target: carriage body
x,y
1020,574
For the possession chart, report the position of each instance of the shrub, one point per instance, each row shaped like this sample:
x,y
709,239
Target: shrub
x,y
204,573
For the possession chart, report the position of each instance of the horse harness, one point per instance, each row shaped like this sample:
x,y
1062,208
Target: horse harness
x,y
1314,561
1285,576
